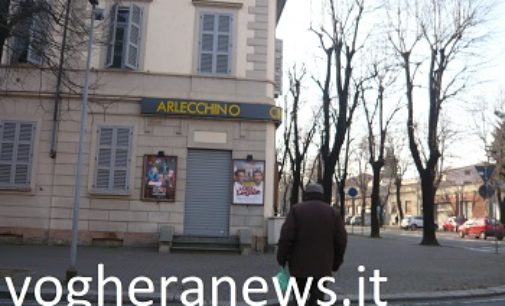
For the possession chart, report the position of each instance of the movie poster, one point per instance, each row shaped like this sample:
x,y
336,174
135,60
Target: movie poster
x,y
160,174
248,182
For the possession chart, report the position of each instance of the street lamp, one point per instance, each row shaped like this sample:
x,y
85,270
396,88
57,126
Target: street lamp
x,y
72,269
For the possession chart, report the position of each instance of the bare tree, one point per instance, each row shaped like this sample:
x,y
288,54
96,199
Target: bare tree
x,y
340,44
383,77
397,166
363,178
497,152
442,33
297,142
342,173
45,40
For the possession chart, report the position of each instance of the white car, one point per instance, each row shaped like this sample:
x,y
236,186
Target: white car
x,y
412,222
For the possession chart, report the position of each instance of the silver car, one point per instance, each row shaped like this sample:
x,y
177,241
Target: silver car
x,y
412,222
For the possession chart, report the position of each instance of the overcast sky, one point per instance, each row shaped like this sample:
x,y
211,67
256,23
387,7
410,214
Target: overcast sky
x,y
301,46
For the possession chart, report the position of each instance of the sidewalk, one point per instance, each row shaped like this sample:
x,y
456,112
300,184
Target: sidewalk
x,y
413,271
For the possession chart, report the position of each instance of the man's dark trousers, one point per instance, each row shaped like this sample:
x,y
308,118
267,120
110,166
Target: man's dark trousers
x,y
315,293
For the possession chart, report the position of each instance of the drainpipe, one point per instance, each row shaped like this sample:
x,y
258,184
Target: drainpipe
x,y
57,98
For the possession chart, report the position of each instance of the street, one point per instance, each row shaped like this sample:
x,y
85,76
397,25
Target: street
x,y
450,275
449,239
491,301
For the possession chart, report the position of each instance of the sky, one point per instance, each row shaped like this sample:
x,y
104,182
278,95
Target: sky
x,y
301,47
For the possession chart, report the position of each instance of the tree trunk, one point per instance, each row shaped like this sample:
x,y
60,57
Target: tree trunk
x,y
341,192
375,230
501,203
327,181
295,189
428,191
398,184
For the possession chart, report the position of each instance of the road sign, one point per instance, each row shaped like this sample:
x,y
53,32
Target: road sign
x,y
485,172
486,191
352,192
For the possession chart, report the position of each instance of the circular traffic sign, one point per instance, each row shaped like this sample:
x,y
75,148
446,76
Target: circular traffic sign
x,y
352,192
486,191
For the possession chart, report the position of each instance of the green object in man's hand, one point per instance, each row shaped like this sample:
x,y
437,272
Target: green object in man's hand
x,y
283,279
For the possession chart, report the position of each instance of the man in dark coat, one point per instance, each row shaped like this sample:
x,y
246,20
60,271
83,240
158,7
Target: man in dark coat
x,y
313,241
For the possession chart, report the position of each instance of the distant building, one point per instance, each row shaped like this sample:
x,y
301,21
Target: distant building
x,y
457,195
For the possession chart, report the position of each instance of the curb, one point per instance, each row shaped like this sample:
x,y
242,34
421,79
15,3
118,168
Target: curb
x,y
424,296
110,296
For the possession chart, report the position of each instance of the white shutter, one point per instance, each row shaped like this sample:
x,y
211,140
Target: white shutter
x,y
121,159
16,145
104,158
206,44
112,36
215,43
7,142
223,48
278,67
24,154
133,37
113,159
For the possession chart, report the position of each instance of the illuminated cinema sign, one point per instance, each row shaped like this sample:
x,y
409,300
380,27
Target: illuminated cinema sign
x,y
210,109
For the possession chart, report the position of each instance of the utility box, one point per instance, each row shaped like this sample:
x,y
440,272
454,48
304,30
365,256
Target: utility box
x,y
274,229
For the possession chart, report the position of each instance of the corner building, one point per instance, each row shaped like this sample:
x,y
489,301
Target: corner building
x,y
181,97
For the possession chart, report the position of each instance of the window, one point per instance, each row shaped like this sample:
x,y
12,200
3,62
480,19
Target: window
x,y
124,37
113,160
29,35
16,152
215,43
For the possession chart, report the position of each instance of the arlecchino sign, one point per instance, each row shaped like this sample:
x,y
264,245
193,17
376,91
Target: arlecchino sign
x,y
210,109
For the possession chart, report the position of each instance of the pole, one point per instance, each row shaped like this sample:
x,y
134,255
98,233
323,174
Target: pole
x,y
72,270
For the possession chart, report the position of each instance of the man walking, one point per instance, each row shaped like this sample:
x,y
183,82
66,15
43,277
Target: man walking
x,y
313,241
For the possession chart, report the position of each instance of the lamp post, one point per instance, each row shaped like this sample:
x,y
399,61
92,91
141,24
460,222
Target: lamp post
x,y
72,269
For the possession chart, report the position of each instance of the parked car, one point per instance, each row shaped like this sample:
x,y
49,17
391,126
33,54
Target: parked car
x,y
412,222
348,219
453,223
482,228
355,220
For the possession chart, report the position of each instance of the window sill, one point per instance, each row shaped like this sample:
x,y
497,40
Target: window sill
x,y
15,188
109,194
221,4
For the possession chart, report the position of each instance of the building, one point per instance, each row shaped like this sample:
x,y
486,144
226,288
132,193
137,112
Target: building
x,y
181,104
457,195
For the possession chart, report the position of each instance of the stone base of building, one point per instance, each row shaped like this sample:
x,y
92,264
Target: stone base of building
x,y
20,235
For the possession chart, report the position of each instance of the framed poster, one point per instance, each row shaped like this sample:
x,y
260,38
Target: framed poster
x,y
160,173
248,181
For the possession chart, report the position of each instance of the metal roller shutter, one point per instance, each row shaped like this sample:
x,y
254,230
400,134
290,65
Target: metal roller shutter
x,y
208,193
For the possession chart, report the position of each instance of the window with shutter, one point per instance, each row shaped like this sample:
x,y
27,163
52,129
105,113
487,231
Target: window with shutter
x,y
16,153
30,34
124,37
215,43
113,160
